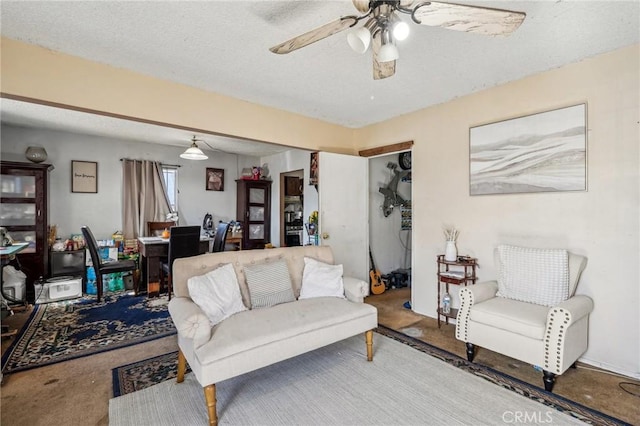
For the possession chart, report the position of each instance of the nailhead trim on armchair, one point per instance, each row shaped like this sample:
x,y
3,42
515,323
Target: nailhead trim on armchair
x,y
554,339
466,302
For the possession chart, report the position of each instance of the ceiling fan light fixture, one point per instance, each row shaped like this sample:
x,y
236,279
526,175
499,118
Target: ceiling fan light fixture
x,y
193,152
359,39
388,51
400,30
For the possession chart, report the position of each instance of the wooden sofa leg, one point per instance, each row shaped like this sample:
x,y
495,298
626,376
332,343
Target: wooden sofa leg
x,y
549,380
182,366
369,338
470,351
210,396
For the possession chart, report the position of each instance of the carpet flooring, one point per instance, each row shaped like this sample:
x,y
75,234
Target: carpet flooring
x,y
335,385
70,329
143,374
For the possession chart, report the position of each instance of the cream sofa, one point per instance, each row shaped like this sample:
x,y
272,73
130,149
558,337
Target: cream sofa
x,y
550,337
255,338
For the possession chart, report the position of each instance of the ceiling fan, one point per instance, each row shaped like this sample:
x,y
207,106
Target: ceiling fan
x,y
384,26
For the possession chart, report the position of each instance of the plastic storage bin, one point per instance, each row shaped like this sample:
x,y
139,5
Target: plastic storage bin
x,y
59,288
13,284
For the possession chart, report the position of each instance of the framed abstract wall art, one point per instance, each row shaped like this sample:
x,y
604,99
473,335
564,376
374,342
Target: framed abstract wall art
x,y
543,152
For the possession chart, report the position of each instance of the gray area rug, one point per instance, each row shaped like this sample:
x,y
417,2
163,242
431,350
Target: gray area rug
x,y
336,385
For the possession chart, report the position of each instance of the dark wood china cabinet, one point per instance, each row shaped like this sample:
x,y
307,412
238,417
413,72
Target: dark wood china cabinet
x,y
24,212
254,211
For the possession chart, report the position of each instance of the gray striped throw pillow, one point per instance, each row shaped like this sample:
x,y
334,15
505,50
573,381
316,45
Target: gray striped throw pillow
x,y
269,284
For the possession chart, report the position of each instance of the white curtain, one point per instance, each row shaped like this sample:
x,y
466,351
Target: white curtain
x,y
144,196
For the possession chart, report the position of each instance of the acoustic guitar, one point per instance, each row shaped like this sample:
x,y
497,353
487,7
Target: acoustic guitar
x,y
377,286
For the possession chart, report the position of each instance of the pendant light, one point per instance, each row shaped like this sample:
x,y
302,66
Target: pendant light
x,y
193,152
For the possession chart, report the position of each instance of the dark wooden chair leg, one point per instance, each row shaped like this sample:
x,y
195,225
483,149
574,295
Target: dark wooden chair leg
x,y
169,286
99,285
470,351
136,281
549,380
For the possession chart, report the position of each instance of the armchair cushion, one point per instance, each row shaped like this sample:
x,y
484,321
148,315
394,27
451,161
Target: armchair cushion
x,y
321,279
526,319
217,293
533,275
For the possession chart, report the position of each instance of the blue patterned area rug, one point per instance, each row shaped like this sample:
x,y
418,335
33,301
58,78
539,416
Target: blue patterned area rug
x,y
71,329
143,374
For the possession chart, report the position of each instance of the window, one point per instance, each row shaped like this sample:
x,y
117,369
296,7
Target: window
x,y
170,174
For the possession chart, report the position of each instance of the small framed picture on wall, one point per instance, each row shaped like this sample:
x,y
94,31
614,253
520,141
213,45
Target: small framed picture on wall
x,y
84,176
215,179
313,169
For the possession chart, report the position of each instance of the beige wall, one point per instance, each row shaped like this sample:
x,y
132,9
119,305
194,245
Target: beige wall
x,y
601,223
44,75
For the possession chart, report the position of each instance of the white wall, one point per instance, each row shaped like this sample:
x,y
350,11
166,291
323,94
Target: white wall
x,y
386,239
294,159
602,223
103,211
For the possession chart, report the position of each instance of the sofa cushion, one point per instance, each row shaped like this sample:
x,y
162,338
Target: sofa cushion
x,y
217,293
533,275
321,279
526,319
269,284
251,329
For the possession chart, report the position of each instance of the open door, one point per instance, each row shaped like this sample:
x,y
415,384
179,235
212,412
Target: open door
x,y
343,201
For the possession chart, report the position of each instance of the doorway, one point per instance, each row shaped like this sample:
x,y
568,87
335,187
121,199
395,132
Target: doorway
x,y
391,217
292,208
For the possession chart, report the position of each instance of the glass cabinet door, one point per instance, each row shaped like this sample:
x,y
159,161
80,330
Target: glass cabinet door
x,y
256,213
256,232
257,195
253,209
18,212
17,186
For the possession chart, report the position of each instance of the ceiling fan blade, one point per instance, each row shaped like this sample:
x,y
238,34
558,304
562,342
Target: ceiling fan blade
x,y
315,35
472,19
381,69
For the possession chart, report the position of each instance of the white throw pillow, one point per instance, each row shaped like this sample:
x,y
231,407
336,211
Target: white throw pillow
x,y
533,275
269,284
321,279
217,293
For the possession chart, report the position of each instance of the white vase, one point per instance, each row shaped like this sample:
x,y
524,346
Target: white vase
x,y
450,252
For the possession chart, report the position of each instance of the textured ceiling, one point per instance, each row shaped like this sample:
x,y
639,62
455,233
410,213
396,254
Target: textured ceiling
x,y
222,46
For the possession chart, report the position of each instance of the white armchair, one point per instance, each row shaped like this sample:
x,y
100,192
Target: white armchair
x,y
525,323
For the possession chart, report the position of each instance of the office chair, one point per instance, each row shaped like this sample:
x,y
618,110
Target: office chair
x,y
184,241
108,267
220,239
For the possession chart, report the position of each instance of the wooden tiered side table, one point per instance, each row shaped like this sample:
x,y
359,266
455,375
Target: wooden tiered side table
x,y
461,272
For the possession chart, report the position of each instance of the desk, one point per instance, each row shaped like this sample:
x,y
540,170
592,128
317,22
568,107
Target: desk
x,y
6,254
151,250
234,240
